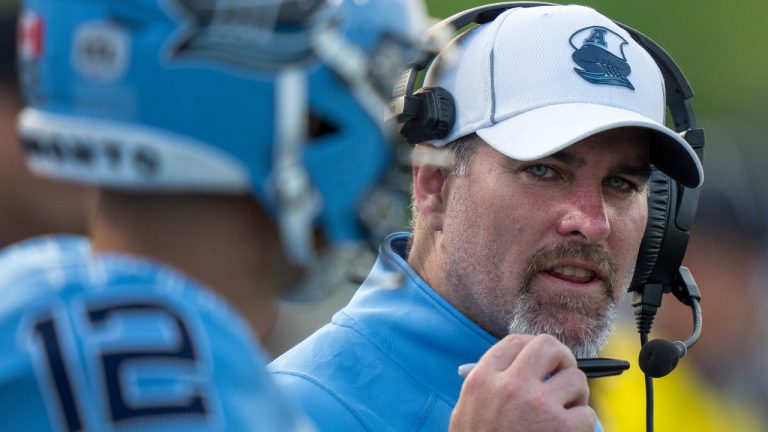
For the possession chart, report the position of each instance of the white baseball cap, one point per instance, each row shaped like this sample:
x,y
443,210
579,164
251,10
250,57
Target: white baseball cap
x,y
537,80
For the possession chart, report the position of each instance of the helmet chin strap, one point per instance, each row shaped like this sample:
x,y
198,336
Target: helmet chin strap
x,y
299,203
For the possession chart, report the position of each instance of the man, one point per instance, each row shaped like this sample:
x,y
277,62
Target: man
x,y
30,205
533,231
222,136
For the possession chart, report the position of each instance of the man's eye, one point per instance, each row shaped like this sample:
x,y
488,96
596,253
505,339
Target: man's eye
x,y
619,183
541,171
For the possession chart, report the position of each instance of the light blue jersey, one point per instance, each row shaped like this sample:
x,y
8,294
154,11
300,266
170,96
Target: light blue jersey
x,y
110,342
388,361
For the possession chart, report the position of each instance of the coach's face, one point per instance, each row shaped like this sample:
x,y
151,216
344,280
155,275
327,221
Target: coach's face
x,y
547,246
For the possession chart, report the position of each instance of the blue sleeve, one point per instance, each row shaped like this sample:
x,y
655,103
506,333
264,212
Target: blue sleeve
x,y
328,410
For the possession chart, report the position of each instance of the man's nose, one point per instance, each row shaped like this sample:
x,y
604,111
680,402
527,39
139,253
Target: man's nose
x,y
584,217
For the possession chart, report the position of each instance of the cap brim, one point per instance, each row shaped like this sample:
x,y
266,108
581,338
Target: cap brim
x,y
541,132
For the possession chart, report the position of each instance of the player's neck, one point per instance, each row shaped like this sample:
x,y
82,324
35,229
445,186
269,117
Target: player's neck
x,y
227,243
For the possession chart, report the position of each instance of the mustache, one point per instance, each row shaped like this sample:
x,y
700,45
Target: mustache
x,y
543,258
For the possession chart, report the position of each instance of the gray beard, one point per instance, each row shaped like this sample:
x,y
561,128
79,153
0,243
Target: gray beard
x,y
530,317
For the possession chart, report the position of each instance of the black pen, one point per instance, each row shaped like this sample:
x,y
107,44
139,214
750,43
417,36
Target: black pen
x,y
592,367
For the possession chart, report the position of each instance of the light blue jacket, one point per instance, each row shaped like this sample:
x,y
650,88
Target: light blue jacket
x,y
388,361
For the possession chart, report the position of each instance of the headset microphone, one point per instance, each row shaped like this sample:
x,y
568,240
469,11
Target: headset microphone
x,y
659,356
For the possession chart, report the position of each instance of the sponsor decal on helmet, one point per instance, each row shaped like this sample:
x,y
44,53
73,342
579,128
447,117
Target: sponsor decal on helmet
x,y
101,50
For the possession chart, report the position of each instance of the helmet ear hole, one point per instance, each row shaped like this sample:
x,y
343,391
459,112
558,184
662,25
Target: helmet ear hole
x,y
319,126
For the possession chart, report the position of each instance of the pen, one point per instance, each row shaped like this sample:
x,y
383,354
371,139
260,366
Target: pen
x,y
593,367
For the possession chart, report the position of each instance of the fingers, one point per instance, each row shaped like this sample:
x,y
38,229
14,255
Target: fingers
x,y
581,418
544,356
503,354
525,383
570,388
507,390
547,359
540,356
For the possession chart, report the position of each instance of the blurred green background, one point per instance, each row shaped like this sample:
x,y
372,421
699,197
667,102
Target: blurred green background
x,y
723,50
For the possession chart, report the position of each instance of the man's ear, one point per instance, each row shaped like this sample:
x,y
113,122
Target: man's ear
x,y
428,193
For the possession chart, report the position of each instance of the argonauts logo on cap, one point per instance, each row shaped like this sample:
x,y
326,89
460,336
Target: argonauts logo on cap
x,y
600,53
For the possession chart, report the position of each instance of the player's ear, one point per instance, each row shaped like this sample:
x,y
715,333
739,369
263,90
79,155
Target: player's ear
x,y
429,193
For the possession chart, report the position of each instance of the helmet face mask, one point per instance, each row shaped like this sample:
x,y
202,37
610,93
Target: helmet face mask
x,y
185,96
264,35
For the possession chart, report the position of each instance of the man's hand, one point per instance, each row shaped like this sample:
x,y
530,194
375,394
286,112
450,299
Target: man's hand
x,y
525,383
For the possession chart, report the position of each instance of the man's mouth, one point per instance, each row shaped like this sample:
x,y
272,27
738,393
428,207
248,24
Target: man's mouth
x,y
572,273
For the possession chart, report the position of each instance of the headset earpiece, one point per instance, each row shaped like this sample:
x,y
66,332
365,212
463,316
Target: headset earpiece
x,y
434,116
660,193
671,206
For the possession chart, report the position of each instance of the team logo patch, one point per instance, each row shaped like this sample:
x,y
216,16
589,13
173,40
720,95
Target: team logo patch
x,y
101,49
600,55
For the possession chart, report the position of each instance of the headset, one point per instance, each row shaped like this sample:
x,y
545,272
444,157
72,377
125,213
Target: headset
x,y
429,113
